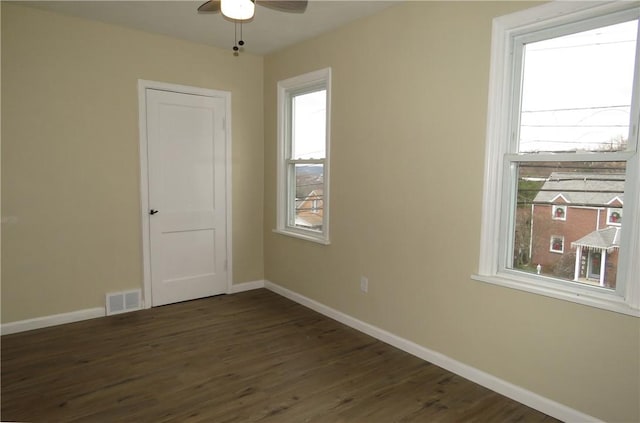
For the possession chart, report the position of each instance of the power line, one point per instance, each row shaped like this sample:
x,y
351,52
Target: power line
x,y
575,126
601,143
570,109
613,170
317,184
533,49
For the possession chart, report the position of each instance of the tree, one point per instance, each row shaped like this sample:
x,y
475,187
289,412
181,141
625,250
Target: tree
x,y
527,191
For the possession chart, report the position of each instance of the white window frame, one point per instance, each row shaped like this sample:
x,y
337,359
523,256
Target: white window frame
x,y
551,249
610,212
498,206
554,210
308,82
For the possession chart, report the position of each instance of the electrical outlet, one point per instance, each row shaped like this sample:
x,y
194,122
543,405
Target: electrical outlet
x,y
364,284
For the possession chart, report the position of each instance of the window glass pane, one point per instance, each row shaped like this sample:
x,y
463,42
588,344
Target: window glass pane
x,y
309,204
576,91
564,214
309,118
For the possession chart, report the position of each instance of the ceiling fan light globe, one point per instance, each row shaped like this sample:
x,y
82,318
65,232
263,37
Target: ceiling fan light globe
x,y
239,10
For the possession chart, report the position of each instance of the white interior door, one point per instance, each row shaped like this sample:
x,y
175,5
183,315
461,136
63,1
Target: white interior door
x,y
187,211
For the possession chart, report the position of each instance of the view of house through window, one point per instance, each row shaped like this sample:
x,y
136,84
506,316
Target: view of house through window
x,y
583,245
576,96
309,196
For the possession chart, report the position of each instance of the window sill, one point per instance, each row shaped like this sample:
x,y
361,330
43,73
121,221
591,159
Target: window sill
x,y
295,234
601,300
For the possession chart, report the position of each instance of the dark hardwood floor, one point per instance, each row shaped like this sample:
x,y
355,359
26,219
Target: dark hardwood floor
x,y
248,357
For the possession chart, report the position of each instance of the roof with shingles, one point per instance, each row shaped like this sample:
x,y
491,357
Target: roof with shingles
x,y
584,189
603,239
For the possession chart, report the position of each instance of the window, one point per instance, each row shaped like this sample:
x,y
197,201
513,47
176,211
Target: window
x,y
563,128
559,213
614,216
556,245
303,156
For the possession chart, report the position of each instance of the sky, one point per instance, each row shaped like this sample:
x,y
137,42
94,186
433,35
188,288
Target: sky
x,y
309,125
577,89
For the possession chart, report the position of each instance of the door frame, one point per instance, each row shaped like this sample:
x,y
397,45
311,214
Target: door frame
x,y
143,85
590,267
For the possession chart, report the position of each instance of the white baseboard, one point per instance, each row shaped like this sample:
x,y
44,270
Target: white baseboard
x,y
246,286
498,385
56,319
91,313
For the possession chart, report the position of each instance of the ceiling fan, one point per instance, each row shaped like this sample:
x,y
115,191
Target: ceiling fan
x,y
241,11
290,6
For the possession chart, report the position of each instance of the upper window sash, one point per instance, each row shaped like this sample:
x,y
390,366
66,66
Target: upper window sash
x,y
581,21
307,87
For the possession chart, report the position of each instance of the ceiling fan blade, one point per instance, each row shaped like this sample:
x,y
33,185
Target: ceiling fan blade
x,y
291,6
211,6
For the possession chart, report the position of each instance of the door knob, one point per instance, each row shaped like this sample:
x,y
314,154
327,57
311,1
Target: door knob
x,y
152,212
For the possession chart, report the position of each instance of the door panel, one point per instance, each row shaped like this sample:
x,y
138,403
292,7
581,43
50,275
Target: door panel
x,y
186,156
188,254
594,264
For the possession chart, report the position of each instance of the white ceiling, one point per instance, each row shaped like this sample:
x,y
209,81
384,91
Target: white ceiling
x,y
269,31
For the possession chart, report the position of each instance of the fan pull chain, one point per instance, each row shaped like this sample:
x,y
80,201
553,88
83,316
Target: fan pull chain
x,y
235,38
236,43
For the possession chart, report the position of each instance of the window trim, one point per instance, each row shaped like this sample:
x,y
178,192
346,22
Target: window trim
x,y
307,82
554,210
498,147
610,212
551,242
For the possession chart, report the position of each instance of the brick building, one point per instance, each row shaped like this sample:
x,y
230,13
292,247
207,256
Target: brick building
x,y
576,221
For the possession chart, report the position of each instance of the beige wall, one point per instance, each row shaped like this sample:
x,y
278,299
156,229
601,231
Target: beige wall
x,y
70,164
408,135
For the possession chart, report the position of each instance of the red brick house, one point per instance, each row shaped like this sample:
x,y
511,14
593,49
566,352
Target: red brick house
x,y
576,219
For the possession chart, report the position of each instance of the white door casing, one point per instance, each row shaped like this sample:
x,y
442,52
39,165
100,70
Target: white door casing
x,y
185,180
